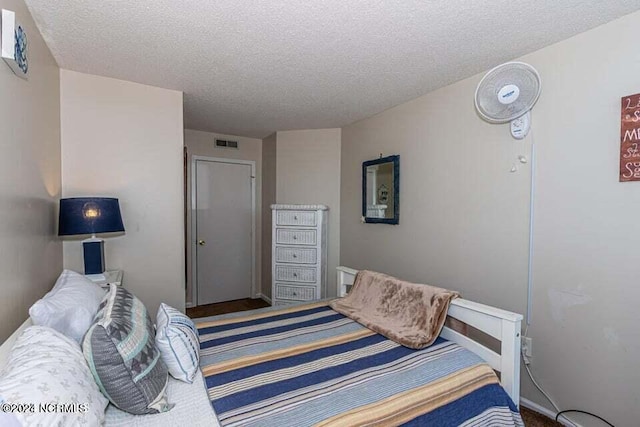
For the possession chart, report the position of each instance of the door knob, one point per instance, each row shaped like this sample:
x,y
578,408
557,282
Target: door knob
x,y
201,242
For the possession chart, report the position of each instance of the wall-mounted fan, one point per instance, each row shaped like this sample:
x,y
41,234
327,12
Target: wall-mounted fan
x,y
507,93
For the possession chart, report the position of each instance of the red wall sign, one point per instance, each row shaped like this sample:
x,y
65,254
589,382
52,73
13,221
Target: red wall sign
x,y
630,139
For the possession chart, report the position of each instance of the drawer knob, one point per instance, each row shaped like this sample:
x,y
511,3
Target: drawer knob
x,y
295,294
295,274
295,217
295,256
295,237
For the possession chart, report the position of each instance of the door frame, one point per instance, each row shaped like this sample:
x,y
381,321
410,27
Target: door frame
x,y
194,221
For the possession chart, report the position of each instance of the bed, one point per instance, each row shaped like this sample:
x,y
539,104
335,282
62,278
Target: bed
x,y
502,325
306,365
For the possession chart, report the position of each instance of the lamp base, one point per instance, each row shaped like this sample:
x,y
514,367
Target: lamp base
x,y
93,255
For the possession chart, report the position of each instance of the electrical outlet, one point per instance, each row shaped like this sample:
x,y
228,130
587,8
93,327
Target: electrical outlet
x,y
527,346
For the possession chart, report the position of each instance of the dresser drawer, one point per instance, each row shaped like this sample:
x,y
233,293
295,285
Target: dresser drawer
x,y
300,218
295,293
295,236
296,255
295,274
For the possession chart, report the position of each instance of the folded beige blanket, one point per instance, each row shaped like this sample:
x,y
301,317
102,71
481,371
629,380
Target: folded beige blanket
x,y
407,313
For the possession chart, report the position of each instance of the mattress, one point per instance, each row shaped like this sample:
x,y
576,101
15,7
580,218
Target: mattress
x,y
192,408
309,365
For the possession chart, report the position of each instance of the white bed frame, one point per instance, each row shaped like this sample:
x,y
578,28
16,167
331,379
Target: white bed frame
x,y
501,324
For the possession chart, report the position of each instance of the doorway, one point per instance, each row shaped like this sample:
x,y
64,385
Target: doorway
x,y
222,229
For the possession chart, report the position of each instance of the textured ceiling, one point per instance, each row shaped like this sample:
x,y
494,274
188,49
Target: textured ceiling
x,y
250,68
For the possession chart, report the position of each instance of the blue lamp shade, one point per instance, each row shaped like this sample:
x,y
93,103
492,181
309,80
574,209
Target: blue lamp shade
x,y
90,215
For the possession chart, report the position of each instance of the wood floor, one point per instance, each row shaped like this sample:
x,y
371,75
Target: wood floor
x,y
534,419
530,418
226,307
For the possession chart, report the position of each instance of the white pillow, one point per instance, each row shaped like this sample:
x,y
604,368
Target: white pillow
x,y
7,419
45,369
177,340
70,306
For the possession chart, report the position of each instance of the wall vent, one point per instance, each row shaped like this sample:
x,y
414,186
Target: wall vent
x,y
222,143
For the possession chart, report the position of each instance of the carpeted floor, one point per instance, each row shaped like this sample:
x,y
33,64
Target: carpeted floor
x,y
534,419
530,418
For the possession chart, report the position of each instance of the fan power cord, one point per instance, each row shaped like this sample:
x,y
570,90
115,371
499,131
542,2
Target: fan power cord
x,y
544,393
525,358
535,383
559,413
583,412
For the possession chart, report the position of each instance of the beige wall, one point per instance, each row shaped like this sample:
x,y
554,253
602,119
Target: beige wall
x,y
462,214
586,266
125,140
203,144
464,217
30,251
308,172
269,178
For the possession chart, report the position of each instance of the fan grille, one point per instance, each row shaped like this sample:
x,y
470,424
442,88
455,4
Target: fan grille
x,y
516,73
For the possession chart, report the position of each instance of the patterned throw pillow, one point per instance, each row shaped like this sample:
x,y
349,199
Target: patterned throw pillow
x,y
177,339
120,350
46,382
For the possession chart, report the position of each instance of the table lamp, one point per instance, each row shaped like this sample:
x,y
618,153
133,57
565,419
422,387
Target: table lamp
x,y
90,215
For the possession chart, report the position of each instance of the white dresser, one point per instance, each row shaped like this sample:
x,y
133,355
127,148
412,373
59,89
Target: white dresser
x,y
299,253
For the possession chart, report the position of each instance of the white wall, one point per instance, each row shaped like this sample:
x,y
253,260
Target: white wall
x,y
464,217
200,143
30,251
125,140
308,172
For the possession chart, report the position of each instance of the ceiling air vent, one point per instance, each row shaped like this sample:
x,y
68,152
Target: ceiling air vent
x,y
221,143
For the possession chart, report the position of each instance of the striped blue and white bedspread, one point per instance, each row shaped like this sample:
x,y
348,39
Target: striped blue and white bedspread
x,y
308,365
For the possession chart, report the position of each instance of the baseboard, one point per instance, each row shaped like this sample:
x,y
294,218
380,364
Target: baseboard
x,y
547,412
265,298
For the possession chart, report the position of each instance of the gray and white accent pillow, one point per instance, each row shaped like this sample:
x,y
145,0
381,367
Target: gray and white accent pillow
x,y
121,353
177,340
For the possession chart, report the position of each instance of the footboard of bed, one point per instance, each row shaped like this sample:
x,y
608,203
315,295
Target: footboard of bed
x,y
500,324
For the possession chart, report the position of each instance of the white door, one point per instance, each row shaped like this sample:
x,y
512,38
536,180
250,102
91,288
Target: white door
x,y
224,207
